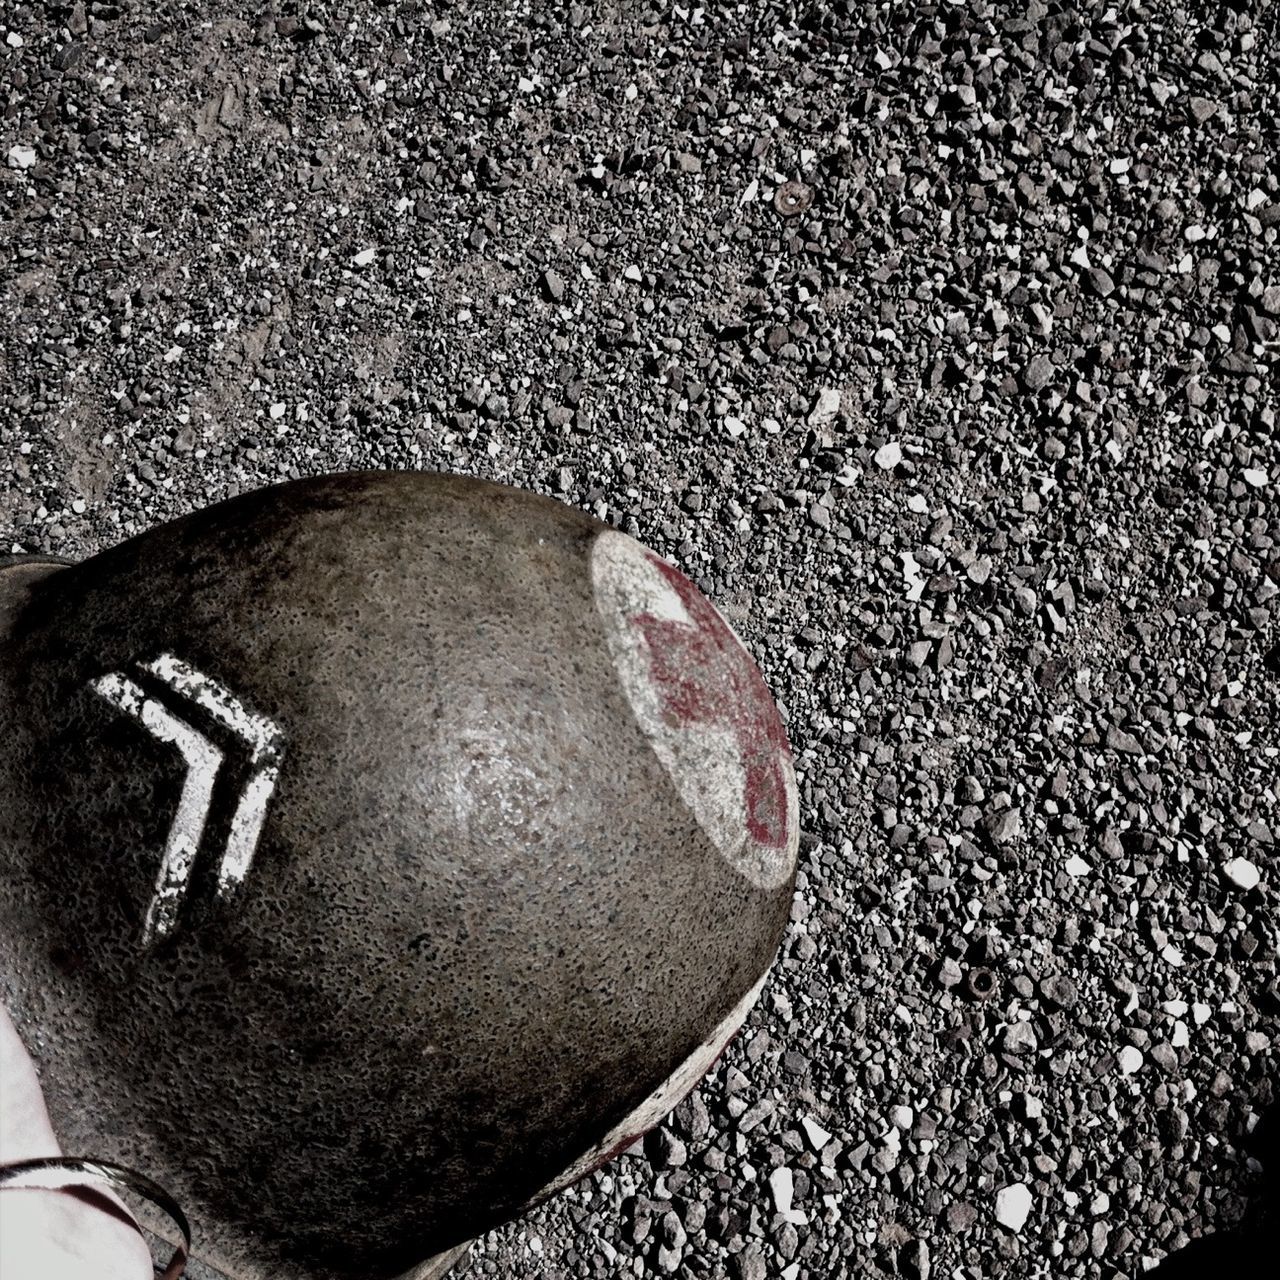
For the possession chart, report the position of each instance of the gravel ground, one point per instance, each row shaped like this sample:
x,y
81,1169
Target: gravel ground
x,y
938,343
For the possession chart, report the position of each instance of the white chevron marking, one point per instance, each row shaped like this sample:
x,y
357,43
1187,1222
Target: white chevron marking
x,y
246,827
265,743
262,734
187,829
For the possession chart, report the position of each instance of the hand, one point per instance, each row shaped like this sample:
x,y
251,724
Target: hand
x,y
53,1235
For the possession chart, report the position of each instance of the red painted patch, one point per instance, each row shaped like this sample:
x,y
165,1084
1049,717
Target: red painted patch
x,y
705,677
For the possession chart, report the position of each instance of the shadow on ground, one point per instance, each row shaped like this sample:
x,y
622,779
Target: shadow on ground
x,y
1237,1251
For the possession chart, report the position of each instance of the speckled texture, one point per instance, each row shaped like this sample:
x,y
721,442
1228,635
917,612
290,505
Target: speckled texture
x,y
480,927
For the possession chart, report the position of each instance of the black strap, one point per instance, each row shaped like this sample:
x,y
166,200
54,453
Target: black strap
x,y
68,1173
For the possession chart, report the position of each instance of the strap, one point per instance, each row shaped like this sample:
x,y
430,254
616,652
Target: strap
x,y
67,1173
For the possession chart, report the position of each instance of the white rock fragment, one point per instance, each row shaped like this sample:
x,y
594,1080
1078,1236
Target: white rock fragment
x,y
817,1135
915,584
1200,1013
364,257
734,426
21,157
903,1117
1242,873
1181,1036
1255,477
1020,1037
888,455
1077,866
1013,1204
826,408
918,504
277,410
1129,1060
782,1187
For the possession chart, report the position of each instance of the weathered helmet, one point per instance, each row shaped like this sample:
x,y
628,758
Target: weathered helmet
x,y
378,854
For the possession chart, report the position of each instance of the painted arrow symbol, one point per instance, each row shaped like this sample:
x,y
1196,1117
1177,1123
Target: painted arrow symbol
x,y
203,759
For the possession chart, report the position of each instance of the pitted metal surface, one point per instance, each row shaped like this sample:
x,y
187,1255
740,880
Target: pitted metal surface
x,y
438,911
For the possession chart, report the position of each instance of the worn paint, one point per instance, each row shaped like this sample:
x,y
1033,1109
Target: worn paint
x,y
203,760
704,706
266,744
187,829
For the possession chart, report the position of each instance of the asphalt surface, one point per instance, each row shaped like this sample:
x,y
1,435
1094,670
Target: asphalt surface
x,y
938,343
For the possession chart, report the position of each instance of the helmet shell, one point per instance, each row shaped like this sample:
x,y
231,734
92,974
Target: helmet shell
x,y
379,853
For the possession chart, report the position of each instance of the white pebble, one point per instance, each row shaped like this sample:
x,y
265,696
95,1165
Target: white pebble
x,y
1200,1013
1129,1060
918,503
782,1185
826,408
889,455
817,1135
277,410
1077,866
21,157
364,257
1242,873
903,1117
1013,1204
1255,477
